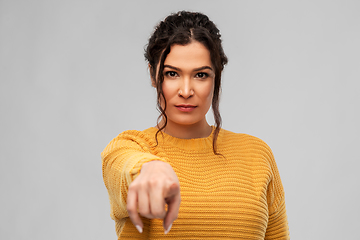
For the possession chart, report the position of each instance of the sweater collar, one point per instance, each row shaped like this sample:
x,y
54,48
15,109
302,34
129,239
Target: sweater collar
x,y
194,144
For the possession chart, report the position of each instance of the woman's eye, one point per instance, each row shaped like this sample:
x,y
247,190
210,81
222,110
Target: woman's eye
x,y
202,75
171,74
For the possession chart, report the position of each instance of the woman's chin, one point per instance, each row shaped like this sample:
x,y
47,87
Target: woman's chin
x,y
186,122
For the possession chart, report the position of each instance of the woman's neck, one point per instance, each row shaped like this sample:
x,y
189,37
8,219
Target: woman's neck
x,y
198,130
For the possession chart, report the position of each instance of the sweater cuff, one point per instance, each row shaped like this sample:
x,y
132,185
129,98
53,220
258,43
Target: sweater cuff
x,y
142,158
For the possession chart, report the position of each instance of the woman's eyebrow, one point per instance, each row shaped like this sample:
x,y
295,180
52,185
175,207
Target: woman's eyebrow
x,y
202,68
175,68
195,70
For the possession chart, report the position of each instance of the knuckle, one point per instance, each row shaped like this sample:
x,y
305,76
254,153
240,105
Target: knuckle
x,y
158,214
130,210
153,182
142,184
133,186
145,213
138,186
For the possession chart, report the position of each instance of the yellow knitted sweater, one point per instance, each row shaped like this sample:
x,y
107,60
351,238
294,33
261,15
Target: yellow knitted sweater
x,y
238,195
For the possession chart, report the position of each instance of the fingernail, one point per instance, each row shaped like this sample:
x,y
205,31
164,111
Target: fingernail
x,y
168,230
139,228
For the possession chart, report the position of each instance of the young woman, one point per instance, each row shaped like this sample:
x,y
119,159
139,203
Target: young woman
x,y
200,181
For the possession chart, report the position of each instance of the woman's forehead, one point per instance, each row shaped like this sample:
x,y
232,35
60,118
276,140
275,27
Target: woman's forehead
x,y
190,56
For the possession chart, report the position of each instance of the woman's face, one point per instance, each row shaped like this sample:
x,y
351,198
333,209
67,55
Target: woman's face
x,y
188,83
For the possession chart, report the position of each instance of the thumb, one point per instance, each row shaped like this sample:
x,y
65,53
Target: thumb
x,y
172,191
173,200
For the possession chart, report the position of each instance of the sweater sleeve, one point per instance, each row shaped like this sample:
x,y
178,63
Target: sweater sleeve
x,y
277,223
122,160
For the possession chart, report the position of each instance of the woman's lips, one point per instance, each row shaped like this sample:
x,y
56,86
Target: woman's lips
x,y
185,108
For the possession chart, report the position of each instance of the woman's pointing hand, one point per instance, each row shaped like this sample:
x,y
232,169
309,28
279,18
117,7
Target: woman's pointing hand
x,y
156,186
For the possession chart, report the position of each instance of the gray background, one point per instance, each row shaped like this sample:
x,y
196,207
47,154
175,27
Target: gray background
x,y
73,76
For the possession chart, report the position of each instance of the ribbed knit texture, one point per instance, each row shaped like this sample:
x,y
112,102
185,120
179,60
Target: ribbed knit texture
x,y
238,195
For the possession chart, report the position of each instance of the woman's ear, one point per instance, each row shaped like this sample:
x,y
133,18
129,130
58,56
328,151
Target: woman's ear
x,y
151,71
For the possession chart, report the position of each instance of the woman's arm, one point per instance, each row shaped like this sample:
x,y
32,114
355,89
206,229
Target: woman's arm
x,y
122,160
277,224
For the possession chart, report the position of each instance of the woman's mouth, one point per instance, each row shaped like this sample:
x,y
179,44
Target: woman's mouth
x,y
185,107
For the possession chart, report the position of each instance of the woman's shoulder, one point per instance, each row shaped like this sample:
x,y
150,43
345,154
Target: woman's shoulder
x,y
242,140
127,138
246,145
146,135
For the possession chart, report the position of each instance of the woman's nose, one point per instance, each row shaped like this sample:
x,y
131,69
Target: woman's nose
x,y
185,89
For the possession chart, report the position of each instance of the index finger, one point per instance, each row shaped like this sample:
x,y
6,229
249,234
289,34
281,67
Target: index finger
x,y
173,208
131,207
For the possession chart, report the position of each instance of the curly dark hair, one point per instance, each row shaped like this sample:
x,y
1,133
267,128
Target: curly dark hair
x,y
182,28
